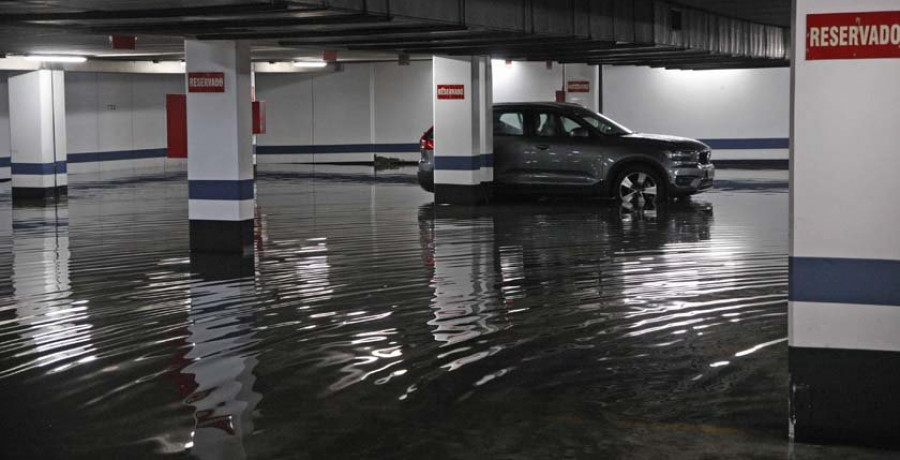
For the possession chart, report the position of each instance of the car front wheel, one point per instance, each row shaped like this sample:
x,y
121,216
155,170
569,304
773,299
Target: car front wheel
x,y
639,186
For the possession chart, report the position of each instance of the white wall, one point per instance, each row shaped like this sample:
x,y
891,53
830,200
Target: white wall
x,y
526,81
580,72
342,113
384,104
403,105
534,82
289,110
117,113
310,115
711,104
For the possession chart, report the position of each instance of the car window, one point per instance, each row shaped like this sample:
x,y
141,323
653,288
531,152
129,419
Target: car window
x,y
604,125
572,128
547,125
509,124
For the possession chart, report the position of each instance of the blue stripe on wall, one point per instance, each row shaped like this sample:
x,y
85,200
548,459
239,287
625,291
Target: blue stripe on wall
x,y
748,144
231,190
464,163
5,162
721,144
852,281
391,148
341,148
39,169
91,157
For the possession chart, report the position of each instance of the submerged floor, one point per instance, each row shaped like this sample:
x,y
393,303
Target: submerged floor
x,y
375,325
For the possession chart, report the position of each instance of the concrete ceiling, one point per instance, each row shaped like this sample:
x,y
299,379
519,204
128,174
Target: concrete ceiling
x,y
620,31
772,12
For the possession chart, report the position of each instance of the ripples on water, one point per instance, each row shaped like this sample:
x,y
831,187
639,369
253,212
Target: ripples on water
x,y
374,324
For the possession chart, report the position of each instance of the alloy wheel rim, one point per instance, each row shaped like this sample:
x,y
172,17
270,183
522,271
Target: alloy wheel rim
x,y
638,189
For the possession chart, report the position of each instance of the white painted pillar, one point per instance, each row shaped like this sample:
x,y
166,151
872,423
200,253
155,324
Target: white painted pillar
x,y
463,130
844,311
37,120
5,159
255,139
220,163
582,85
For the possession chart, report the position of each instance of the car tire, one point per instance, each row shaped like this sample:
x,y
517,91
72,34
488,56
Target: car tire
x,y
640,186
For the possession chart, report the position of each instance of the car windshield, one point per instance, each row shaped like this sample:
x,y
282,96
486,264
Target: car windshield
x,y
603,124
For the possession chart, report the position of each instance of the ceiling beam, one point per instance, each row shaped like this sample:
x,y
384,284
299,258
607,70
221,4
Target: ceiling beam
x,y
739,64
412,41
427,29
191,28
157,13
519,42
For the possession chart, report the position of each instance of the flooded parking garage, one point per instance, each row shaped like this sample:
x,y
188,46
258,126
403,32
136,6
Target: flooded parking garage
x,y
373,324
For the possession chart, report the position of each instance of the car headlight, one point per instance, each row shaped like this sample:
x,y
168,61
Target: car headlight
x,y
679,157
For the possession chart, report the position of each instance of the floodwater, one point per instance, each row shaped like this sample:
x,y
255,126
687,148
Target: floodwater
x,y
372,324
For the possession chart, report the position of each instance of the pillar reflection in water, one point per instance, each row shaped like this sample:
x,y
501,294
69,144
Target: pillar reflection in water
x,y
6,247
465,305
54,327
220,360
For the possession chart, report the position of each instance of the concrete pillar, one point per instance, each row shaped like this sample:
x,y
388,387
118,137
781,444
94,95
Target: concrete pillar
x,y
463,130
5,159
582,85
844,313
220,164
37,120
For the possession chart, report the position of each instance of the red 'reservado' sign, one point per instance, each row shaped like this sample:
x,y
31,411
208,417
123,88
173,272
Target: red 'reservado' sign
x,y
871,35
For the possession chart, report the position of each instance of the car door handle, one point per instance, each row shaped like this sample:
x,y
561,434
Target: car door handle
x,y
542,147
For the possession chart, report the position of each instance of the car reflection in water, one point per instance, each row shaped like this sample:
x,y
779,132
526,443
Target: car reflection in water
x,y
491,263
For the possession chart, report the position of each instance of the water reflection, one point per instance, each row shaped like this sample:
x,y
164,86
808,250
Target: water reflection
x,y
220,361
464,305
55,329
640,291
371,326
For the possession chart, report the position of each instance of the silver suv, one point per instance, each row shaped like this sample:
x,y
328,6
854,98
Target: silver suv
x,y
557,148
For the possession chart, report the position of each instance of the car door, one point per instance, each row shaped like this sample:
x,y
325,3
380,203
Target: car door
x,y
561,150
510,146
582,148
526,158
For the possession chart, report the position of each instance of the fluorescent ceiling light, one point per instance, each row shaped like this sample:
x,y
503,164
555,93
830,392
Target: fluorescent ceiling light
x,y
42,58
310,64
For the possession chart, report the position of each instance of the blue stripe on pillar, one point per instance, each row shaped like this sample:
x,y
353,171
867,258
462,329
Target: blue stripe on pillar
x,y
5,162
463,163
851,281
228,190
776,143
39,169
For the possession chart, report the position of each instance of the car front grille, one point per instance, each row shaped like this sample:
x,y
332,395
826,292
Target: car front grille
x,y
705,157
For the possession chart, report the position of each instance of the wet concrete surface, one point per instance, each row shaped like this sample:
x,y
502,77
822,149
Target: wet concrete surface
x,y
373,324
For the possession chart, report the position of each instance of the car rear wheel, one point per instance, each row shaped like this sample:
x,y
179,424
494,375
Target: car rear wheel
x,y
639,187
